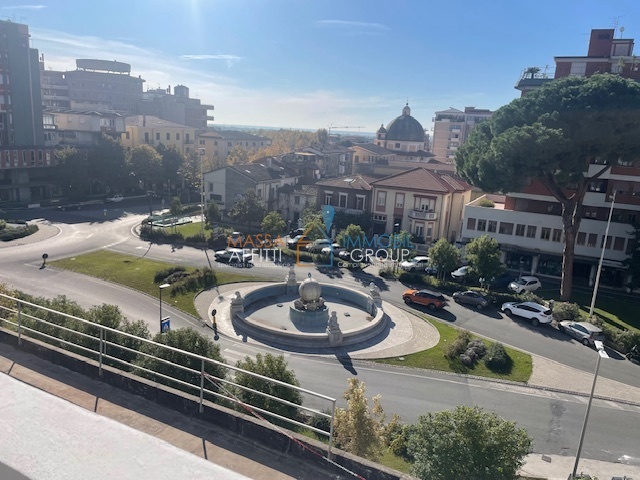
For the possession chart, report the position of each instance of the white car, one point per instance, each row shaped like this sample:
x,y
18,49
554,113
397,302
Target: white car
x,y
318,245
416,263
461,272
334,247
525,284
115,198
530,310
234,256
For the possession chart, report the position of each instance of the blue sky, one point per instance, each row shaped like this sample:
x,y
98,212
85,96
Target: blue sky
x,y
312,64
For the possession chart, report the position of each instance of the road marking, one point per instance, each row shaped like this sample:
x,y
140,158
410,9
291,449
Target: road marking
x,y
614,405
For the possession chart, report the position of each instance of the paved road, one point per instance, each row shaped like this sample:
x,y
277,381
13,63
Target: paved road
x,y
553,419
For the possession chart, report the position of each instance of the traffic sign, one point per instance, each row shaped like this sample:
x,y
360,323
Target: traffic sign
x,y
165,325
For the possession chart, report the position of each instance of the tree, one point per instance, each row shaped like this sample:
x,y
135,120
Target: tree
x,y
632,262
444,257
211,214
248,209
273,224
483,254
176,206
108,164
186,339
467,443
172,160
238,156
146,166
551,135
357,429
314,226
273,367
72,172
322,135
189,171
353,235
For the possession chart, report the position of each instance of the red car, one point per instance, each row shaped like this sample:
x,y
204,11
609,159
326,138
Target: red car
x,y
429,298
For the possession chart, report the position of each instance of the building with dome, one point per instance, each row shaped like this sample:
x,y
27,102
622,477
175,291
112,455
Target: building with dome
x,y
403,134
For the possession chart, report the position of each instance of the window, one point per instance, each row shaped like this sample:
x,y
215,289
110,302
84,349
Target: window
x,y
582,238
126,135
531,231
557,235
618,244
545,233
168,136
492,226
520,230
296,200
608,243
229,144
482,225
471,223
379,218
177,136
157,135
186,137
397,145
359,202
200,142
146,137
506,228
259,192
381,200
342,200
399,200
215,143
591,241
328,198
419,229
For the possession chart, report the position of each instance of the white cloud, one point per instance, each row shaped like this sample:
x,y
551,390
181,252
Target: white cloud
x,y
230,59
24,7
351,24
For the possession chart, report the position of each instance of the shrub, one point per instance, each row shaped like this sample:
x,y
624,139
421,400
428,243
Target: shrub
x,y
162,275
486,203
410,278
321,423
566,311
198,238
497,357
3,224
386,272
532,297
478,347
458,346
10,233
625,339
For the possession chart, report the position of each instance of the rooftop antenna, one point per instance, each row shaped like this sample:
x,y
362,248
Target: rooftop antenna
x,y
621,31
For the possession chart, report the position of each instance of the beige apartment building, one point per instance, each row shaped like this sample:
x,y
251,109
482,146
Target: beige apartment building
x,y
452,127
425,203
150,130
216,146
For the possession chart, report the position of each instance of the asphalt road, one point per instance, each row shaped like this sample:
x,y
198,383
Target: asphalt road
x,y
554,420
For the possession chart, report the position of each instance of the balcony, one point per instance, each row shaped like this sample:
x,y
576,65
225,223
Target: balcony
x,y
349,211
422,215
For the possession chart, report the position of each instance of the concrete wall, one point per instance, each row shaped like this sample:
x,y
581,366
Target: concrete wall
x,y
239,424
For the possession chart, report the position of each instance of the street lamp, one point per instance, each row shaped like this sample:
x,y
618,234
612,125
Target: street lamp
x,y
521,266
162,287
604,244
601,354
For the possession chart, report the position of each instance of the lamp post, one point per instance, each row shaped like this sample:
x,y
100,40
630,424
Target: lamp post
x,y
521,266
601,354
604,244
162,287
202,152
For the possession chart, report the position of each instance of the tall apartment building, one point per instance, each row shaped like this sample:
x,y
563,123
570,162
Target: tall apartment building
x,y
24,159
176,108
451,129
528,225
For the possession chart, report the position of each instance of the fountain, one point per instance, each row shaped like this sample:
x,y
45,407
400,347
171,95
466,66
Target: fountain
x,y
306,314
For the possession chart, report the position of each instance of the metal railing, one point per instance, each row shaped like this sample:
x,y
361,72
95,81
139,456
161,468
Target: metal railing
x,y
16,314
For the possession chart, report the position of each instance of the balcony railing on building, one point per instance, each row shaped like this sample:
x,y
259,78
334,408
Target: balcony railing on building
x,y
350,211
422,214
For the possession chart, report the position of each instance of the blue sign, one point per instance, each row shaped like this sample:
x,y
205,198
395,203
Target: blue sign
x,y
165,325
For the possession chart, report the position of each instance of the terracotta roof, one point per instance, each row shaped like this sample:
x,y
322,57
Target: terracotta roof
x,y
151,121
418,179
456,182
373,148
352,182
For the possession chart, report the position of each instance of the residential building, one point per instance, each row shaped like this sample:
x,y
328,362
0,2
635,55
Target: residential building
x,y
427,204
81,128
384,168
351,194
293,200
25,161
150,130
332,160
176,108
104,84
227,185
215,146
55,91
370,153
452,127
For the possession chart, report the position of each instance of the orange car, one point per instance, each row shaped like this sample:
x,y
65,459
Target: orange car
x,y
429,298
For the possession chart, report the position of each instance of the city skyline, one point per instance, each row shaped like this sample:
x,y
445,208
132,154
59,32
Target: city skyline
x,y
280,64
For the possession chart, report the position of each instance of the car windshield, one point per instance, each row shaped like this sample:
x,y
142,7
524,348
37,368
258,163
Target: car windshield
x,y
520,281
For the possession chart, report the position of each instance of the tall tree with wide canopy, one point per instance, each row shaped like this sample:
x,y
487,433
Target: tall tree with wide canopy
x,y
552,135
146,166
108,164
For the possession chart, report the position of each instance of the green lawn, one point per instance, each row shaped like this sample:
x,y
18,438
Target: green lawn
x,y
138,273
434,359
190,229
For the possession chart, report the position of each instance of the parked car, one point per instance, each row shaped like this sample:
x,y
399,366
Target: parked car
x,y
432,271
296,232
416,263
530,310
117,198
334,247
429,298
472,298
461,273
525,284
501,281
317,245
585,332
234,256
298,241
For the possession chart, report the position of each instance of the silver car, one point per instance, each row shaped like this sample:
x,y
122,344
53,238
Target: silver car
x,y
585,332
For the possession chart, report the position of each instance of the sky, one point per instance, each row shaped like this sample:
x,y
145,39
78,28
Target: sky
x,y
321,64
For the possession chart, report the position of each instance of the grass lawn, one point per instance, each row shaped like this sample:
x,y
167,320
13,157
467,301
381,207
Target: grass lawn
x,y
434,359
139,273
189,229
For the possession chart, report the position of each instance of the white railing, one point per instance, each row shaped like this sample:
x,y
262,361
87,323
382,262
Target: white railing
x,y
25,325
